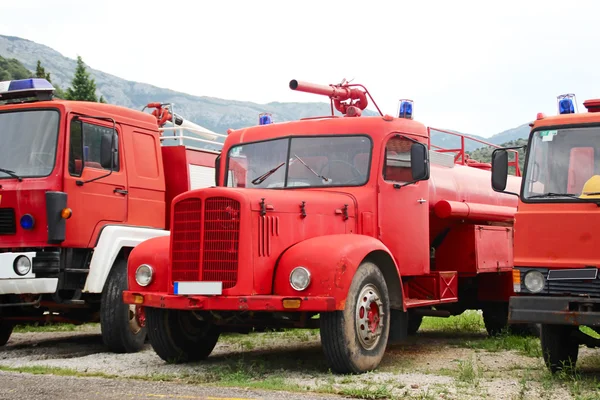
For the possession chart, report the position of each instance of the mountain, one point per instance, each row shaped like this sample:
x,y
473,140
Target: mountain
x,y
448,141
213,113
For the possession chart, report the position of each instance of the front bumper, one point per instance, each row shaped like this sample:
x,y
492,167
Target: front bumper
x,y
28,286
12,283
557,310
229,303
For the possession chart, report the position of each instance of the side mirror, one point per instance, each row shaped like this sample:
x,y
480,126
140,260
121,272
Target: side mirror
x,y
499,169
107,147
419,162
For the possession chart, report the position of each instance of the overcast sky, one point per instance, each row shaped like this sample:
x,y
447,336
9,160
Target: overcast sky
x,y
478,67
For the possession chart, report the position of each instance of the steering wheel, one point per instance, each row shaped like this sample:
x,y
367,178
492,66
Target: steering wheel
x,y
357,175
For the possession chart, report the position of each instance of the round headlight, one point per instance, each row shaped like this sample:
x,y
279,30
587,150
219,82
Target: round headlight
x,y
27,221
534,281
299,278
22,265
144,275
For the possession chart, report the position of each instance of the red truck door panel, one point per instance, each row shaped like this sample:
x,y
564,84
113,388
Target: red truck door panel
x,y
100,201
403,212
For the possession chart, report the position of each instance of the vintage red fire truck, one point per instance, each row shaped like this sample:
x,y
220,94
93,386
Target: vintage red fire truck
x,y
556,239
81,184
350,224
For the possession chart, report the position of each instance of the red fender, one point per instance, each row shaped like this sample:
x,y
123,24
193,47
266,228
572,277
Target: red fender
x,y
332,261
154,252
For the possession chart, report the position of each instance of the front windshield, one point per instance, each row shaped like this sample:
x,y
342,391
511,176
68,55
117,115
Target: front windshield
x,y
563,164
28,143
300,162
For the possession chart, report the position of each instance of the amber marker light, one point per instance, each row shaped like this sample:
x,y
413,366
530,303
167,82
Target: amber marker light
x,y
516,274
66,213
291,303
138,299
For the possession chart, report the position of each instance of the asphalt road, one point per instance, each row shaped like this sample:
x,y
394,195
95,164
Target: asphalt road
x,y
20,386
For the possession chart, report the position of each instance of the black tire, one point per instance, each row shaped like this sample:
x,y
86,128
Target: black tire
x,y
120,331
346,351
495,318
414,323
525,329
5,332
559,348
178,336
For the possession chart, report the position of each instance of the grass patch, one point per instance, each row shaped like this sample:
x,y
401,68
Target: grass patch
x,y
581,387
467,372
377,392
468,322
51,328
525,345
590,332
43,370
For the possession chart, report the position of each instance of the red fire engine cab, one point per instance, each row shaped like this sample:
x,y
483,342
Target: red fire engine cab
x,y
81,184
556,241
350,224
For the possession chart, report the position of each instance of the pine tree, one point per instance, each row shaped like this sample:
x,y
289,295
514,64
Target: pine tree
x,y
83,86
40,72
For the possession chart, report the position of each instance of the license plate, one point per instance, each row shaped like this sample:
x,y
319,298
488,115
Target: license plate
x,y
567,274
199,288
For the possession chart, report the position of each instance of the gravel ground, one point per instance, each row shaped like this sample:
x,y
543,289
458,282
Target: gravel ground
x,y
16,386
431,365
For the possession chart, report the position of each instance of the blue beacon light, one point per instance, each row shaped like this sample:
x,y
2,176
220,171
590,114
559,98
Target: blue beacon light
x,y
24,88
566,104
405,109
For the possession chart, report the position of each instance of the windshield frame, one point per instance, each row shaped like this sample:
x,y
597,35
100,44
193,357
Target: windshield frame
x,y
289,147
550,199
57,134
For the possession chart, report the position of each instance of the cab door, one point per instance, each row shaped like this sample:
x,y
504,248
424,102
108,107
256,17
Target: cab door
x,y
403,215
97,191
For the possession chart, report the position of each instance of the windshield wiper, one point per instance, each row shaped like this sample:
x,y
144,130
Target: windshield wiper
x,y
311,170
550,194
11,173
263,177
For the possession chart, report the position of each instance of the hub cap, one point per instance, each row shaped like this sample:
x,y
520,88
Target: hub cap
x,y
137,318
369,317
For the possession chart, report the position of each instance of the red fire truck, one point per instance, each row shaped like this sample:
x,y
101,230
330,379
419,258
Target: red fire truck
x,y
350,224
555,258
81,184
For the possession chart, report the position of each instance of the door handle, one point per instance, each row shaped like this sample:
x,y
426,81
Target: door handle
x,y
421,201
120,191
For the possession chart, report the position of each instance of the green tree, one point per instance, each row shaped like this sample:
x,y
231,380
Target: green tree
x,y
83,86
12,69
484,154
40,72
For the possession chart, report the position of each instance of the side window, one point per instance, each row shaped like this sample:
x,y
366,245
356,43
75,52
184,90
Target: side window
x,y
91,147
396,167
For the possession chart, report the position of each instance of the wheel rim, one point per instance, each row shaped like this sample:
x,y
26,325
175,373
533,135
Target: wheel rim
x,y
369,317
137,318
